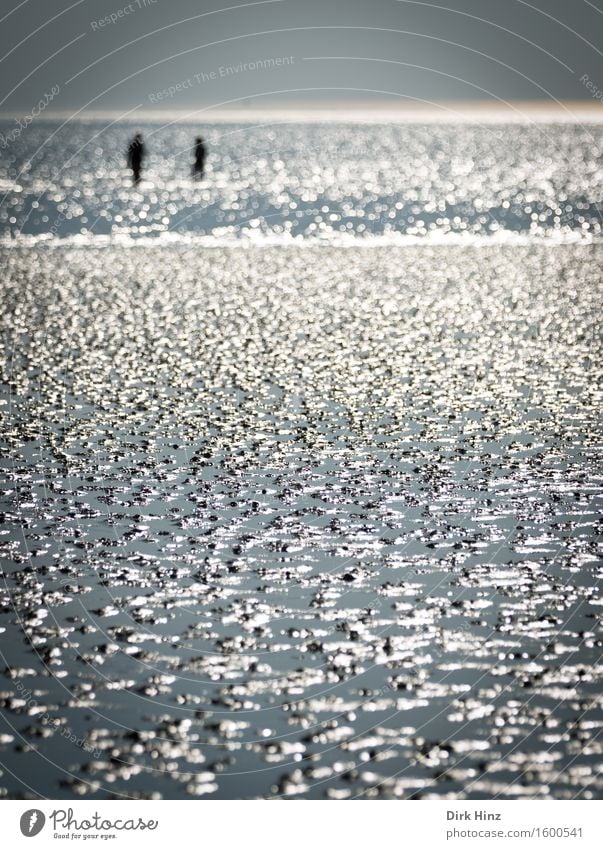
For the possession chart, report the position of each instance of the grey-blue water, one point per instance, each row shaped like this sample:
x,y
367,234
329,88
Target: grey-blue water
x,y
311,517
289,180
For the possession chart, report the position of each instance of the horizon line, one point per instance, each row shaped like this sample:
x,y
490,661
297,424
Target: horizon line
x,y
333,111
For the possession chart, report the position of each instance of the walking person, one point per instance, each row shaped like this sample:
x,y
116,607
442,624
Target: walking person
x,y
199,163
136,154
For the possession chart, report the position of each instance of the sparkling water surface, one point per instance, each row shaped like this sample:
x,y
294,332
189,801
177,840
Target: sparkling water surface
x,y
284,180
303,521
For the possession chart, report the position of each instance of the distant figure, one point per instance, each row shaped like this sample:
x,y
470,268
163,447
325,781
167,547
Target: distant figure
x,y
199,164
136,154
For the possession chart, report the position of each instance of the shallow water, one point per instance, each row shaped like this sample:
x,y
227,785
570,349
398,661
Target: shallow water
x,y
307,522
282,181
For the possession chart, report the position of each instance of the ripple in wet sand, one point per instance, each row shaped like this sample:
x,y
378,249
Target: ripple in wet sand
x,y
301,522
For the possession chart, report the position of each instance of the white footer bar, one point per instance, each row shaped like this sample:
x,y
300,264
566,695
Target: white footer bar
x,y
306,825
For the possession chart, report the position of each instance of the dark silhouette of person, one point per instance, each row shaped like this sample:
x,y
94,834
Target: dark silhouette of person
x,y
199,163
136,154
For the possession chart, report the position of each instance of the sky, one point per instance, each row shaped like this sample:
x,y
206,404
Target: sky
x,y
98,55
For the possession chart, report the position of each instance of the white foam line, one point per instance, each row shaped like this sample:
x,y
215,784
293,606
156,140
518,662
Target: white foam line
x,y
125,240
